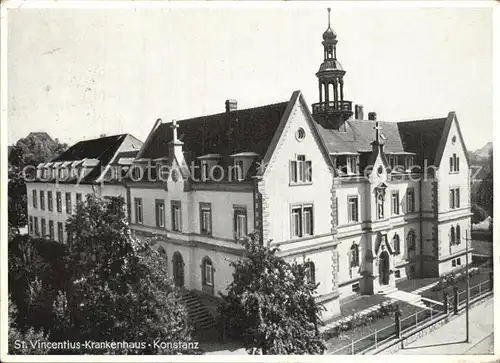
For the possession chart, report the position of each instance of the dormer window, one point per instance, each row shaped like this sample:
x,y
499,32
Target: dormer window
x,y
207,164
241,164
408,163
352,165
300,170
393,162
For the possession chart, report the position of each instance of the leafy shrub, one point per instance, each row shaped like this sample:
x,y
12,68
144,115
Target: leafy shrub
x,y
453,278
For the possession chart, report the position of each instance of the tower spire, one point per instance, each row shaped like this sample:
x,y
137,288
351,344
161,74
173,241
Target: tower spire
x,y
329,9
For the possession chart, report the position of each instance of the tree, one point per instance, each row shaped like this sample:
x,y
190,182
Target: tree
x,y
485,191
119,288
103,285
23,343
270,305
23,158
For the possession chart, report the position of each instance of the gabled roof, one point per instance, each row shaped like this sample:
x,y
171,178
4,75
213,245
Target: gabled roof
x,y
421,137
228,133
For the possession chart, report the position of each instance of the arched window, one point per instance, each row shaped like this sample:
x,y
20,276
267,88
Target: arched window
x,y
310,272
396,244
354,255
163,255
458,235
207,272
452,235
411,240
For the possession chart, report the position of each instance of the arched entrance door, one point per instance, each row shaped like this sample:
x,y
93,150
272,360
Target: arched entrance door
x,y
383,268
178,265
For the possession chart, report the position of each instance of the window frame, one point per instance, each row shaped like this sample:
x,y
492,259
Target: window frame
x,y
138,210
310,272
31,229
51,229
176,225
204,207
239,211
37,227
43,227
208,272
350,218
34,195
301,218
396,244
410,207
59,201
454,196
42,200
60,232
395,208
68,202
160,209
300,170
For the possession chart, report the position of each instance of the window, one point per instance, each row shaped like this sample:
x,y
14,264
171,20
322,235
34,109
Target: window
x,y
49,201
37,231
300,134
240,222
238,170
207,272
395,203
300,170
310,270
42,200
459,261
44,227
60,232
302,221
69,207
78,198
138,210
455,198
355,287
354,255
397,273
452,235
393,162
352,165
410,200
454,164
59,202
204,170
353,209
160,213
411,240
457,235
35,199
51,230
176,216
396,244
30,225
453,263
206,218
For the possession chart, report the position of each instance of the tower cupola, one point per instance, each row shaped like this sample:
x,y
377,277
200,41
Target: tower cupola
x,y
331,110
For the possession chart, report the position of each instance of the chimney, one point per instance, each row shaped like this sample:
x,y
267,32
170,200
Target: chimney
x,y
372,116
231,105
358,112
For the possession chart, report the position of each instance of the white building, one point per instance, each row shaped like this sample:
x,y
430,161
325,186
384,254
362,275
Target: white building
x,y
364,203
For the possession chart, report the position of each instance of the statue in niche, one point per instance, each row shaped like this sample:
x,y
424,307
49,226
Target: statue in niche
x,y
380,203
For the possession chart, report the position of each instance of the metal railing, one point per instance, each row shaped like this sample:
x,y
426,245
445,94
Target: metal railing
x,y
433,311
332,106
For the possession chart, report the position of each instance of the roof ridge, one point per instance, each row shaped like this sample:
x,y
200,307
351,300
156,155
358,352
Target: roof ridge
x,y
231,112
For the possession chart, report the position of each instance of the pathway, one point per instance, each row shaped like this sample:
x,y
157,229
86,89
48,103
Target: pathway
x,y
450,338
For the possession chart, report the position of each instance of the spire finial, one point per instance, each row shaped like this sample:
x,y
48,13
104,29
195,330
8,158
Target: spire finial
x,y
377,130
329,9
174,128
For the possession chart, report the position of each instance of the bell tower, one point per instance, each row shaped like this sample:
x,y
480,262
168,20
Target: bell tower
x,y
332,110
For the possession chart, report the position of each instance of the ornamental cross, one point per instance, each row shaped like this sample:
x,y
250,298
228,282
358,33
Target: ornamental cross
x,y
174,128
377,134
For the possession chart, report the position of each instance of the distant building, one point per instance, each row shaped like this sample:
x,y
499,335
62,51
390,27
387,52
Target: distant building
x,y
64,181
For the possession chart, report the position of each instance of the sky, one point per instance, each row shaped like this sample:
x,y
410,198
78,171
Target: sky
x,y
79,73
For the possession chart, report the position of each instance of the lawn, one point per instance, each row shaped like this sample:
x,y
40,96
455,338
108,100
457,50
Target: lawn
x,y
387,324
462,286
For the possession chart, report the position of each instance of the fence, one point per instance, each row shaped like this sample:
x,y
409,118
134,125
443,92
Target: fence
x,y
433,311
